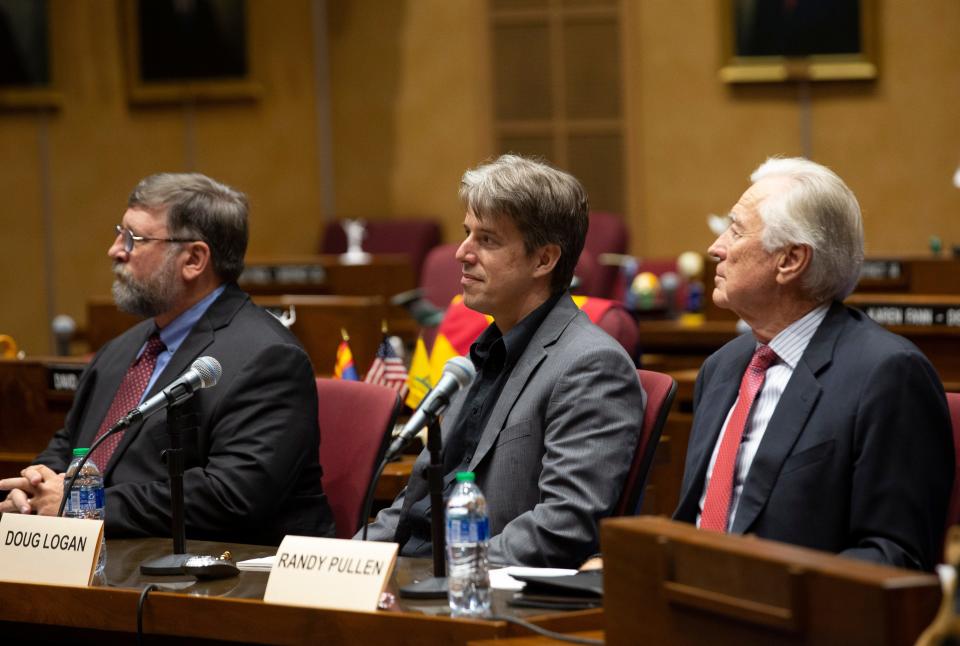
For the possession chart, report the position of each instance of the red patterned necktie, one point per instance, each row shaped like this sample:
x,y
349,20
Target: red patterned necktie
x,y
716,507
127,398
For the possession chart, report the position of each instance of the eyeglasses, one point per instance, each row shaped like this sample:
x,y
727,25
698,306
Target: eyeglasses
x,y
129,239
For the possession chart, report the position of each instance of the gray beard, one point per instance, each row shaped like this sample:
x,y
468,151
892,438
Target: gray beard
x,y
145,299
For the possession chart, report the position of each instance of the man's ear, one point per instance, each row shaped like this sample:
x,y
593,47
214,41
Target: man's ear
x,y
793,262
547,257
197,262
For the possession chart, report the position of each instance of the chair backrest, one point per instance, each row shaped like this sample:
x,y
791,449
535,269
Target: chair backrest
x,y
355,422
607,233
440,280
414,237
660,389
953,512
620,324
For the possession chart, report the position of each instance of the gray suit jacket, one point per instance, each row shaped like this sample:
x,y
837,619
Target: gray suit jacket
x,y
555,452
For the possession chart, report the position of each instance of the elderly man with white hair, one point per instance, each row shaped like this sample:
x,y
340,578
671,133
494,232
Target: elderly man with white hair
x,y
820,428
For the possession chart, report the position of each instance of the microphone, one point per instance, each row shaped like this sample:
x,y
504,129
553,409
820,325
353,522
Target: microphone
x,y
203,373
63,328
457,373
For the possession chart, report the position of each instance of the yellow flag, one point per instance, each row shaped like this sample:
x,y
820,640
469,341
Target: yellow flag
x,y
442,351
418,378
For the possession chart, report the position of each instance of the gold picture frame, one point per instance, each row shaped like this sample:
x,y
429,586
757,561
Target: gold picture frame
x,y
215,65
804,40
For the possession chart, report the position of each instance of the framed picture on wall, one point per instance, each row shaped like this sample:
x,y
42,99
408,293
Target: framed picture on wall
x,y
783,40
26,79
188,50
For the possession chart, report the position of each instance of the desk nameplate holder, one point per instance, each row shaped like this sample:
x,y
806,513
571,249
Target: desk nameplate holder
x,y
330,573
48,549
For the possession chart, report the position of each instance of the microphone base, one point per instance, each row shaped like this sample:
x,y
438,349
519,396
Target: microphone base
x,y
169,565
432,588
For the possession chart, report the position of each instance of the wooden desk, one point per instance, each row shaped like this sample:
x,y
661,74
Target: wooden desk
x,y
35,395
669,583
667,346
385,275
231,610
318,324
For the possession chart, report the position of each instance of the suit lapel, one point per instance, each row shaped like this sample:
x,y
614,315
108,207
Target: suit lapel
x,y
537,350
200,337
789,419
109,376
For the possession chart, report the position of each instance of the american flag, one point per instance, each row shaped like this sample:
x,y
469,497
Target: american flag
x,y
387,369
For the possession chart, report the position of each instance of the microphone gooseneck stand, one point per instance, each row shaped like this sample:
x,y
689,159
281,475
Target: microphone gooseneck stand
x,y
181,418
436,586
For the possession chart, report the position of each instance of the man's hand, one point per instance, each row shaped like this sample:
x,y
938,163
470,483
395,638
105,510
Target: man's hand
x,y
38,490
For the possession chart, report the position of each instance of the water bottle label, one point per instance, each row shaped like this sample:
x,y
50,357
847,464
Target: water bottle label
x,y
466,530
86,499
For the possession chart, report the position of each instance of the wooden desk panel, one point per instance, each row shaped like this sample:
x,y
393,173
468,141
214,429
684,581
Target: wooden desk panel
x,y
35,395
231,609
669,583
318,324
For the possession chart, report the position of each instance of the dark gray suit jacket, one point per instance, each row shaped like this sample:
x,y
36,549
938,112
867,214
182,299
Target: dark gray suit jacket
x,y
251,470
858,457
555,452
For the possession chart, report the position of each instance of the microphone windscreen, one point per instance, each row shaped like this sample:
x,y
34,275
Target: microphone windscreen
x,y
63,325
461,369
209,370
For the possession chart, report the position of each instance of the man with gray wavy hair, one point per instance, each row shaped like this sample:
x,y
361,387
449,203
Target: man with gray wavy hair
x,y
820,428
551,421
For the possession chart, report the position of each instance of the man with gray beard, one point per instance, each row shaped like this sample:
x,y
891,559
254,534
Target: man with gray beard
x,y
251,470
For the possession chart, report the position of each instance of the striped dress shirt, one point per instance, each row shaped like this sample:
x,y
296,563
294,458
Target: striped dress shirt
x,y
789,345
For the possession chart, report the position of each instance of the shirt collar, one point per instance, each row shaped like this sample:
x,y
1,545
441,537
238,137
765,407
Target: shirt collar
x,y
793,340
174,333
516,339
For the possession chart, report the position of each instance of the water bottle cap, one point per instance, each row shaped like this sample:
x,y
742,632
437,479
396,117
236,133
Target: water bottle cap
x,y
80,452
466,476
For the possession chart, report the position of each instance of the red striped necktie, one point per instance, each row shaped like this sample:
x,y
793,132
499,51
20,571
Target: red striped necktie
x,y
127,398
716,507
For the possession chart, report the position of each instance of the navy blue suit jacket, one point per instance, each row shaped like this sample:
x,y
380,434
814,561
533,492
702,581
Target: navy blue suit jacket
x,y
858,457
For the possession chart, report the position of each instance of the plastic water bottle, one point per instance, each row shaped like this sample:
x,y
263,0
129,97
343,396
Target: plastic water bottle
x,y
468,530
86,499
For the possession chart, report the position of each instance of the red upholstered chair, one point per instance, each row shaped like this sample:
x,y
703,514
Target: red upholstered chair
x,y
440,280
355,423
660,389
414,237
620,324
607,233
953,511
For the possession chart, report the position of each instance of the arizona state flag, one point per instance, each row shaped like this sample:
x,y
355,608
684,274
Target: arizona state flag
x,y
419,382
344,368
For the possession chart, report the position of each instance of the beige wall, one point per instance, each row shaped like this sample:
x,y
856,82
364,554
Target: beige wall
x,y
97,146
694,140
410,105
410,110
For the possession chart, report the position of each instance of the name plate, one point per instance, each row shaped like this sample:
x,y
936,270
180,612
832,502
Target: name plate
x,y
48,549
330,573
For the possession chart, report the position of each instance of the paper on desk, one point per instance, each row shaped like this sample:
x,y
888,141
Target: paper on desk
x,y
257,565
501,579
